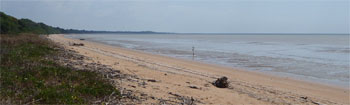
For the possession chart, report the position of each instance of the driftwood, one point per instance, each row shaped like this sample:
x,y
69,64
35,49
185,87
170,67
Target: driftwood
x,y
221,82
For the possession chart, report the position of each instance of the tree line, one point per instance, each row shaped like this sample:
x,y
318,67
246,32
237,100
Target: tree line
x,y
12,25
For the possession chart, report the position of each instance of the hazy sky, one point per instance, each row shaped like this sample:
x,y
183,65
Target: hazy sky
x,y
224,16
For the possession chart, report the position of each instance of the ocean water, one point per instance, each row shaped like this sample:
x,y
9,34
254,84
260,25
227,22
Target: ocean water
x,y
317,58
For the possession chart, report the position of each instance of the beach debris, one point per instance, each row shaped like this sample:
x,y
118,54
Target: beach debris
x,y
174,94
143,94
151,80
193,87
142,84
305,98
185,100
132,86
77,44
207,85
316,103
152,97
221,82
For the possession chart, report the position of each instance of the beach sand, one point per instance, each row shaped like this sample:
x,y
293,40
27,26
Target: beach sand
x,y
169,78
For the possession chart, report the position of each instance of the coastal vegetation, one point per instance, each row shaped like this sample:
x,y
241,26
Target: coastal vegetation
x,y
13,26
30,75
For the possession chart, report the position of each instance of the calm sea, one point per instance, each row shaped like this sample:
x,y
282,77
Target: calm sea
x,y
318,58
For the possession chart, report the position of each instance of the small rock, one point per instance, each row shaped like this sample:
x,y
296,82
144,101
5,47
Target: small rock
x,y
221,82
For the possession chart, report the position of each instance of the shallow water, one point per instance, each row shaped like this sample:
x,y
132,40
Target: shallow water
x,y
318,58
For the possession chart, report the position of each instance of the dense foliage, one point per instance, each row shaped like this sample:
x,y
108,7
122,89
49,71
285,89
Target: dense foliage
x,y
11,25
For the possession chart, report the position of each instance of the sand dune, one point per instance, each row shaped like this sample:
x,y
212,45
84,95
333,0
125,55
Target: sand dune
x,y
172,78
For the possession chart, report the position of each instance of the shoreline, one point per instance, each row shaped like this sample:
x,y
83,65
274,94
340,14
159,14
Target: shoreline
x,y
309,79
247,87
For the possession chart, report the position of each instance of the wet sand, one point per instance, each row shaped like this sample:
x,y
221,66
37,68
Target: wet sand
x,y
177,77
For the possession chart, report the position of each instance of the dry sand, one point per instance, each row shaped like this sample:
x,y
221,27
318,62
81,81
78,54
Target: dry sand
x,y
174,77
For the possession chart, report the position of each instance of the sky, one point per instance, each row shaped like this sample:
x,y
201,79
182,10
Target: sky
x,y
188,16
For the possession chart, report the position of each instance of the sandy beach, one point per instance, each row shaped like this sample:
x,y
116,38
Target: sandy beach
x,y
167,78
